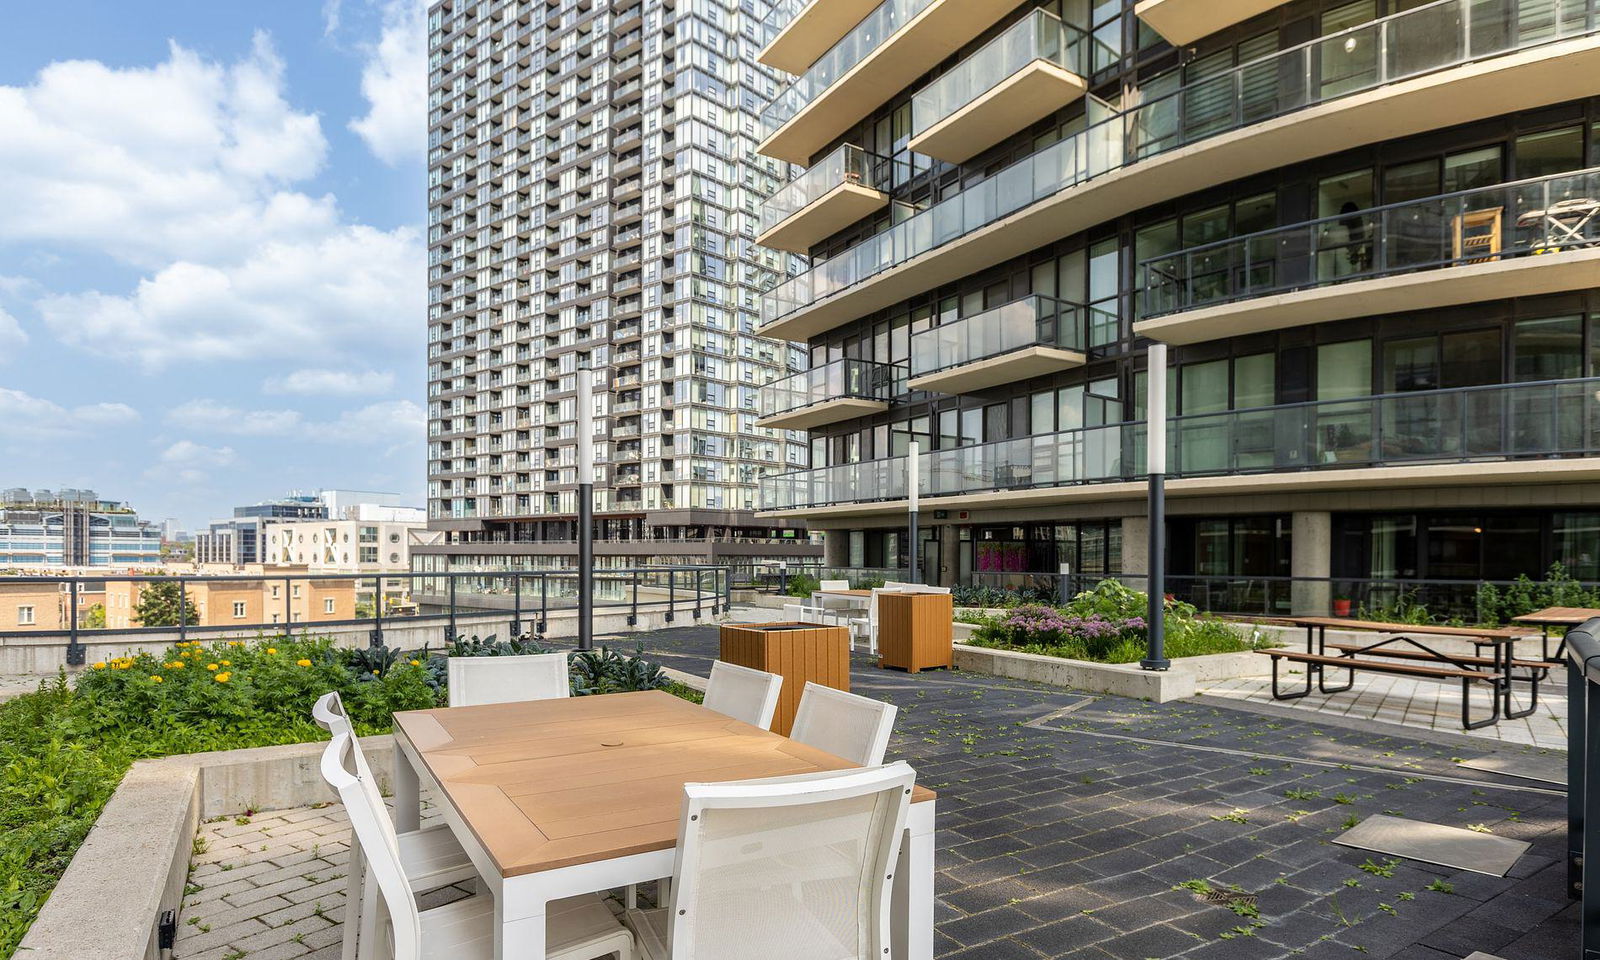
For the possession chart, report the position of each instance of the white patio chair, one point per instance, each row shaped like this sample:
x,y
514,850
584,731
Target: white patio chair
x,y
579,928
735,893
431,857
844,724
866,628
479,680
743,693
833,585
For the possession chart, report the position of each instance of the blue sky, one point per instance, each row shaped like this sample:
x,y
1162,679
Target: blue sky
x,y
211,249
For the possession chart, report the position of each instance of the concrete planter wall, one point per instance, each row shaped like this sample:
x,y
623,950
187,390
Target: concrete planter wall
x,y
1119,679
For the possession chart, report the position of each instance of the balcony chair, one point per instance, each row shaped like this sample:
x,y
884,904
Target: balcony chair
x,y
743,693
735,891
479,680
431,858
578,928
844,724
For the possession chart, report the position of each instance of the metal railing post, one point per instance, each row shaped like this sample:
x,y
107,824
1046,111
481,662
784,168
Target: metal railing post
x,y
699,591
451,636
377,611
288,609
516,605
633,612
183,611
544,602
672,597
75,653
727,590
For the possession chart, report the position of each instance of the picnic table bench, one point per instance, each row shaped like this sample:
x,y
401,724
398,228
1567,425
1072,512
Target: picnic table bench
x,y
1404,654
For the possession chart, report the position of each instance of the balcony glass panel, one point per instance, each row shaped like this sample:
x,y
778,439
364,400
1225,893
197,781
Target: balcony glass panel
x,y
1031,321
1548,419
856,46
840,379
1039,36
1435,37
1539,216
848,164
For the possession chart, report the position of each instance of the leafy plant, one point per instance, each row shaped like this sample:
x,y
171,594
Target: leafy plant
x,y
606,671
803,584
158,605
490,646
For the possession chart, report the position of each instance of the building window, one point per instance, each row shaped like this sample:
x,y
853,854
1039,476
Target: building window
x,y
295,591
25,616
327,605
238,610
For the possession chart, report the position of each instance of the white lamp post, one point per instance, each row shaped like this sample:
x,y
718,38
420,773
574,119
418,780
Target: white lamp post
x,y
585,508
913,480
1156,466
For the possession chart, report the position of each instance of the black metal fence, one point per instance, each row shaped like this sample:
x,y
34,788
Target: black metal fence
x,y
453,601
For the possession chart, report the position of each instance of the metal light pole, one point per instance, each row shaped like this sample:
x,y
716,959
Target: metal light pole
x,y
585,508
913,478
1156,464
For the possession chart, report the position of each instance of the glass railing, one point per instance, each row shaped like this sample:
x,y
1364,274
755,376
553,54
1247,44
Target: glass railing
x,y
1538,216
862,379
1031,321
1038,36
1543,420
848,164
1435,37
856,46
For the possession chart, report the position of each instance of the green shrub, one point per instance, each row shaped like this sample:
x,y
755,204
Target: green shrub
x,y
802,584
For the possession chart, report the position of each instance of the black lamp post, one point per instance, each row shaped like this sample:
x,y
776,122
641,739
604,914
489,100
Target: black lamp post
x,y
585,508
913,480
1156,464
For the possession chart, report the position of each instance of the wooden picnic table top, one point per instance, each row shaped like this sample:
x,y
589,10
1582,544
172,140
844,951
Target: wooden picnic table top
x,y
1421,629
546,784
843,593
1558,616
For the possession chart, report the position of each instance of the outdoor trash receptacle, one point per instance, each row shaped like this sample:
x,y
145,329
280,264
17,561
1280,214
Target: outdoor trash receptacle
x,y
798,652
916,631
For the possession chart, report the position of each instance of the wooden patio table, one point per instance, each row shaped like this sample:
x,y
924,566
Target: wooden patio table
x,y
555,798
1556,617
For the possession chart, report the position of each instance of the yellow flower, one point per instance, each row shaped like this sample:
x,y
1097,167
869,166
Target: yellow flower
x,y
272,649
211,666
222,677
374,673
155,678
100,666
227,663
303,663
176,665
235,643
416,663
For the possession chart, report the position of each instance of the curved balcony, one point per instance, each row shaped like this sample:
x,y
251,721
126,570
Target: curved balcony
x,y
1016,341
1518,239
803,30
1036,67
1446,63
840,390
845,186
886,51
1512,433
1182,22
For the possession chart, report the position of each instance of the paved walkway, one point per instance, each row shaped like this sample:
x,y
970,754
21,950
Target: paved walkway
x,y
1076,828
1426,704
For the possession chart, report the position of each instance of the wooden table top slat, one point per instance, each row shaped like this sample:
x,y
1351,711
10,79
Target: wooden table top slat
x,y
540,789
1375,626
1558,616
844,593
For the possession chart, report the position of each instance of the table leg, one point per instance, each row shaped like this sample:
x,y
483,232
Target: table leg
x,y
911,918
407,794
519,922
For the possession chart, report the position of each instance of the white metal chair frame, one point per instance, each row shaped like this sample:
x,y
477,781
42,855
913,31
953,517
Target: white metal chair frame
x,y
743,693
481,680
870,722
431,856
463,930
867,627
883,838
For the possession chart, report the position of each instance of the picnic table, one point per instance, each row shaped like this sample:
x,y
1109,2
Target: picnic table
x,y
555,798
1556,617
1405,642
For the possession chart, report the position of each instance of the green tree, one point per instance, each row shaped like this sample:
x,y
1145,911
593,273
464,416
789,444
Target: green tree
x,y
158,606
94,618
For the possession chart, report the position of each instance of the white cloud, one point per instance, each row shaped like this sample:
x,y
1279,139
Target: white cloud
x,y
24,416
317,382
189,462
183,159
214,417
12,336
353,287
395,423
394,81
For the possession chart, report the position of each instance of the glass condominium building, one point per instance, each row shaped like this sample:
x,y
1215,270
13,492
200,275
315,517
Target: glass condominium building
x,y
1369,232
592,197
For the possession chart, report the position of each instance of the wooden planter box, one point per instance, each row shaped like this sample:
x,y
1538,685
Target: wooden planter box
x,y
798,652
916,631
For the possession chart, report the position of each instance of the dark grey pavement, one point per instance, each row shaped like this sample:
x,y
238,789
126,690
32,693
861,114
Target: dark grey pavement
x,y
1086,827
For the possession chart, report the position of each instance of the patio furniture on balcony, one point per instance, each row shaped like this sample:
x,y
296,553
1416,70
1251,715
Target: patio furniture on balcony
x,y
844,724
743,693
480,680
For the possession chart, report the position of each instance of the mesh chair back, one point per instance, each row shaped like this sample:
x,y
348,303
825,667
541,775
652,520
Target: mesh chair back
x,y
738,894
343,769
833,585
743,693
843,724
479,680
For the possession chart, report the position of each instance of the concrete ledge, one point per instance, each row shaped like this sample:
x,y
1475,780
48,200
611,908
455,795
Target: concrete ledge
x,y
1119,679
